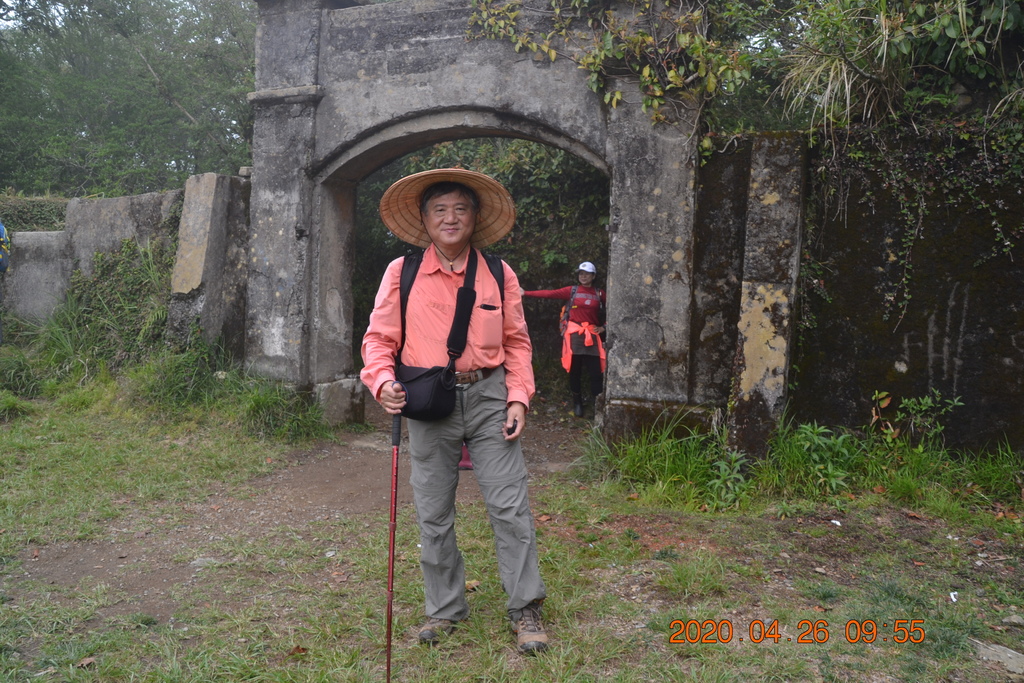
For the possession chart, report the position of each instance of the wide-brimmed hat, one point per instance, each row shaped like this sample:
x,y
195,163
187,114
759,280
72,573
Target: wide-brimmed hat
x,y
400,206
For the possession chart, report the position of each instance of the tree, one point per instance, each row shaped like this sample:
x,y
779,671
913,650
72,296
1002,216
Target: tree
x,y
126,98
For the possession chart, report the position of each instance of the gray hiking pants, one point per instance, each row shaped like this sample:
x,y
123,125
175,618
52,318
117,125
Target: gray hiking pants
x,y
435,449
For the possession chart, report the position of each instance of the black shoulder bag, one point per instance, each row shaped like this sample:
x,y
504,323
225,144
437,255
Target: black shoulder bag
x,y
430,392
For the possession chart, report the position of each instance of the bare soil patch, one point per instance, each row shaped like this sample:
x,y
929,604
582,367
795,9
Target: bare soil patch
x,y
148,553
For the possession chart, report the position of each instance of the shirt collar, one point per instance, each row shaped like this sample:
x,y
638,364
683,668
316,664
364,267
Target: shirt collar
x,y
431,261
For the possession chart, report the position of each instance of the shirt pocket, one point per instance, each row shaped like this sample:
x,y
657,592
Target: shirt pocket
x,y
489,324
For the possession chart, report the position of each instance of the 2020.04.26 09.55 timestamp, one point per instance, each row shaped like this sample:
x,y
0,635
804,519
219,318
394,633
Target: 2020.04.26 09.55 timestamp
x,y
808,632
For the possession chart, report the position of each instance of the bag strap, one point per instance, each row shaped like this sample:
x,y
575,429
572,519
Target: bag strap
x,y
465,299
568,306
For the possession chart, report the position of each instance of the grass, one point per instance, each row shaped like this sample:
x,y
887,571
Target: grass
x,y
646,546
620,570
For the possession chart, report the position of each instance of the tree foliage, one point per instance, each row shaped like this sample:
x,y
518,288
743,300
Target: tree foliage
x,y
873,61
124,97
821,62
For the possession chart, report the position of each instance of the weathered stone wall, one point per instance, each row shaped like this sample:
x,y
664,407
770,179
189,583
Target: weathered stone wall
x,y
210,273
42,262
342,92
38,277
962,332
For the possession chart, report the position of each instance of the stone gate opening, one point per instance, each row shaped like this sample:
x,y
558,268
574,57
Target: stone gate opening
x,y
341,92
562,210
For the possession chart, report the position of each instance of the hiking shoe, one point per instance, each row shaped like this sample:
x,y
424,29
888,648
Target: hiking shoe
x,y
529,630
434,629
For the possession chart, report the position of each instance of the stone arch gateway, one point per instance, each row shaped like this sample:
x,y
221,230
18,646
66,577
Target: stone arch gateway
x,y
341,92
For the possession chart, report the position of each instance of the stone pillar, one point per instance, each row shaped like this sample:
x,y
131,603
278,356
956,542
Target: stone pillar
x,y
287,54
771,265
209,278
650,269
331,368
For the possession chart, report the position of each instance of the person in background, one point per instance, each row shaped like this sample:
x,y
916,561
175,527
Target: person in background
x,y
453,213
582,327
5,257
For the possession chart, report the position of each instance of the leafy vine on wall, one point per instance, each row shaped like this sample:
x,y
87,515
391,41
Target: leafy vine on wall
x,y
967,169
664,46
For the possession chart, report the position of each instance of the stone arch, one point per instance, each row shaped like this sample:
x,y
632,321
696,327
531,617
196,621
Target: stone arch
x,y
355,159
340,92
334,226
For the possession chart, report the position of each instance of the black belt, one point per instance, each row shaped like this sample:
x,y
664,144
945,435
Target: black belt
x,y
473,376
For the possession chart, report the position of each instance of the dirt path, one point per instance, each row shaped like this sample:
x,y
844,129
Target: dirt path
x,y
149,557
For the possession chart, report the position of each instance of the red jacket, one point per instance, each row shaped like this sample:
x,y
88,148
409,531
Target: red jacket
x,y
587,308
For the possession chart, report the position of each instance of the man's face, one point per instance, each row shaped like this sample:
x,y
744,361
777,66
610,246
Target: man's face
x,y
450,221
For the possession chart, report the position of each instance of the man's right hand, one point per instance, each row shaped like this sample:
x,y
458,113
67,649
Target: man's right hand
x,y
392,398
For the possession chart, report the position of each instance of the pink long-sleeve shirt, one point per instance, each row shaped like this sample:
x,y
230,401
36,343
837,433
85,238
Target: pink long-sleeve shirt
x,y
497,331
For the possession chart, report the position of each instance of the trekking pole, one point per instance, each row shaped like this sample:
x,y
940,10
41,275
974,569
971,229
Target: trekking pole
x,y
396,439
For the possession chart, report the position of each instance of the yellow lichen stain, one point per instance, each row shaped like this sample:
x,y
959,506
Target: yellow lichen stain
x,y
679,239
677,255
770,198
764,349
656,192
650,208
648,280
892,257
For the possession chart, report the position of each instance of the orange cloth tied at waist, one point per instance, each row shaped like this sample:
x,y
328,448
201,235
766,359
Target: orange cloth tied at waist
x,y
589,339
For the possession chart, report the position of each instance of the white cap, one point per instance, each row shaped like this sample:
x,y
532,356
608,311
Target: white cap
x,y
588,267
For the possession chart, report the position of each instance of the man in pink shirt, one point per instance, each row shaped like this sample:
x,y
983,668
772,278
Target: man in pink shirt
x,y
451,213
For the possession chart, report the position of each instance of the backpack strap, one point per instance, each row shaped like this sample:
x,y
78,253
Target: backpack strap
x,y
5,248
498,271
411,266
568,307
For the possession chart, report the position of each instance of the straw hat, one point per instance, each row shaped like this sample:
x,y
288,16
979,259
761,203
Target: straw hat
x,y
400,206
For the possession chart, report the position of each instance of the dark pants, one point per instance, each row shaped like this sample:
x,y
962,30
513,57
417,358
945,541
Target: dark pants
x,y
593,366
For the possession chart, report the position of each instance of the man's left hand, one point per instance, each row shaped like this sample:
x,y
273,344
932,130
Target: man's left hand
x,y
515,420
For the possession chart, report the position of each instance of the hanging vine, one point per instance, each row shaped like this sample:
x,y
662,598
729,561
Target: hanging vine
x,y
965,171
665,47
